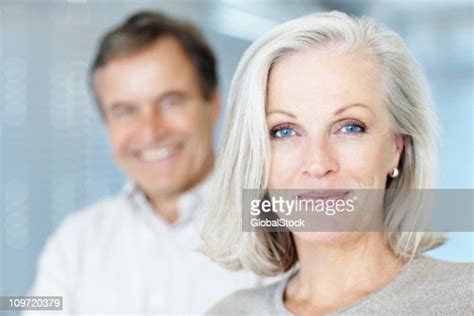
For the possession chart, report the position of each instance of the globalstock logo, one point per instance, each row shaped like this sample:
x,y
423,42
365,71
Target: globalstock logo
x,y
358,210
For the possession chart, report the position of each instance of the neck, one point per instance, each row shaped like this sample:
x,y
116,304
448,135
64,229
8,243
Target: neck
x,y
166,205
334,276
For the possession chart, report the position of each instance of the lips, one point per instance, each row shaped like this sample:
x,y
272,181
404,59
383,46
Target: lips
x,y
323,194
155,154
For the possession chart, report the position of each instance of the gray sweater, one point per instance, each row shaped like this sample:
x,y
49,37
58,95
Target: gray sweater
x,y
425,287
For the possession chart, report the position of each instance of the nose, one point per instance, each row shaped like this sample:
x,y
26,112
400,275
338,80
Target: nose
x,y
152,126
321,160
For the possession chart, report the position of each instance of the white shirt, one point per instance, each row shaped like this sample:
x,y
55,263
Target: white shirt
x,y
117,256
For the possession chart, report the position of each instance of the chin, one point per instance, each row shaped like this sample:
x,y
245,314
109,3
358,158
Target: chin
x,y
155,184
323,238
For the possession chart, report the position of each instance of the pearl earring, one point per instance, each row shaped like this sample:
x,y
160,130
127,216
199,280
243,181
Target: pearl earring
x,y
394,173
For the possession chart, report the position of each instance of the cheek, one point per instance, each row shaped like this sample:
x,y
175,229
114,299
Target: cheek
x,y
200,129
356,157
119,139
285,164
365,161
184,122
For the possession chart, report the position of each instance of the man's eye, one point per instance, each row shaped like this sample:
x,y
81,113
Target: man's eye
x,y
283,132
123,112
169,102
352,128
172,101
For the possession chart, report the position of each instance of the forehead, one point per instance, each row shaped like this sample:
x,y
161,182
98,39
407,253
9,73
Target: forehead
x,y
324,76
163,57
162,67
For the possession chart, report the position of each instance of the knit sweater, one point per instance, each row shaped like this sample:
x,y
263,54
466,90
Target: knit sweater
x,y
426,286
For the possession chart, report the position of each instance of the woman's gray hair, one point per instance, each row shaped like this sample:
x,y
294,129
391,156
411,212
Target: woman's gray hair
x,y
244,155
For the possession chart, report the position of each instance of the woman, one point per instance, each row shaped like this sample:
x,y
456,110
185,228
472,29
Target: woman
x,y
329,102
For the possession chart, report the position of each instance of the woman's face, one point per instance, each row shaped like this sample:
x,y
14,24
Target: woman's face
x,y
328,126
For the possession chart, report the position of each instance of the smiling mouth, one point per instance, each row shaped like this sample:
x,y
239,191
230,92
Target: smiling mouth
x,y
159,154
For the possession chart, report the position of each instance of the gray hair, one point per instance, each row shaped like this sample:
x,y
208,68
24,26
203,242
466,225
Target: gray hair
x,y
244,156
143,29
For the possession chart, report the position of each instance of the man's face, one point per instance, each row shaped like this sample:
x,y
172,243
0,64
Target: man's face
x,y
160,126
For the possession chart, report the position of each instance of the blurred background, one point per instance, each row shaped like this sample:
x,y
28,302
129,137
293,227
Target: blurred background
x,y
54,155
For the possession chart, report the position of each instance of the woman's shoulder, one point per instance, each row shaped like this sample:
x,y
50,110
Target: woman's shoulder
x,y
252,301
436,270
434,283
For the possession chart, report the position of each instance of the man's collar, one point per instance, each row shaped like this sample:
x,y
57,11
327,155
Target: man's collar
x,y
129,188
188,203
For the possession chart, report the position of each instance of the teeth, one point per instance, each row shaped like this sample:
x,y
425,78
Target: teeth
x,y
156,154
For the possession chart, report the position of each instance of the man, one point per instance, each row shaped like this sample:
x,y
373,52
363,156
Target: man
x,y
156,85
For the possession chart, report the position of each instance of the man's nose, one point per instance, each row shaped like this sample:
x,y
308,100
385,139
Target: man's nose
x,y
321,160
153,125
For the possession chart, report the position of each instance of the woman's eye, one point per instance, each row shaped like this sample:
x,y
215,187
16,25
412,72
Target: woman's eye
x,y
352,128
283,132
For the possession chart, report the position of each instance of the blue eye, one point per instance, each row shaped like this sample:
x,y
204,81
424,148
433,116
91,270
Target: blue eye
x,y
352,129
283,132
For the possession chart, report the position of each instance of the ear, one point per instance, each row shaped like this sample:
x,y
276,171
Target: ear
x,y
399,145
215,106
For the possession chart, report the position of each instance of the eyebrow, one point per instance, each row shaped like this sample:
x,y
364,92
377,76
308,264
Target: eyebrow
x,y
158,99
172,93
338,111
117,105
281,112
346,107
